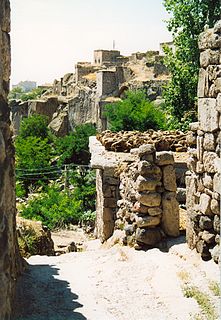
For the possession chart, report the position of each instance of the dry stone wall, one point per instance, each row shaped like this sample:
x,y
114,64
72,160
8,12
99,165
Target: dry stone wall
x,y
147,209
203,179
9,257
136,193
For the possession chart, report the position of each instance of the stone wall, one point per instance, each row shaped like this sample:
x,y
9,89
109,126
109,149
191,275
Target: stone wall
x,y
203,179
136,193
9,258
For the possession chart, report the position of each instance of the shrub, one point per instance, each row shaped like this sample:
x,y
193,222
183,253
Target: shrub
x,y
57,208
135,113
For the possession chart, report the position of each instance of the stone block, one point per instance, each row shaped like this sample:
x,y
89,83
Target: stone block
x,y
150,199
199,167
204,204
209,161
217,84
208,57
155,211
208,181
146,184
147,221
170,216
215,253
191,163
218,103
148,236
208,237
194,126
169,178
191,139
146,149
200,148
205,223
201,84
216,223
209,40
217,183
140,208
146,169
209,142
215,206
164,158
208,115
191,187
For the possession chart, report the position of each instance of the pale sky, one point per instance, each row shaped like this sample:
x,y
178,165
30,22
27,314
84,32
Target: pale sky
x,y
49,36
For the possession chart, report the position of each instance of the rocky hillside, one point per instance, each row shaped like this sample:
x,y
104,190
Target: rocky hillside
x,y
80,97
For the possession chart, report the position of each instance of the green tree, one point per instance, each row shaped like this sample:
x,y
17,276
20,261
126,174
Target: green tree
x,y
73,148
135,112
34,126
188,20
33,150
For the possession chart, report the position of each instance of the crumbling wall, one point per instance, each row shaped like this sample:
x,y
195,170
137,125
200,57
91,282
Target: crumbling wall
x,y
203,179
136,192
147,209
9,258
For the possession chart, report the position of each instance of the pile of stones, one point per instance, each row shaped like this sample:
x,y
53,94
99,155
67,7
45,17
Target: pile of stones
x,y
124,141
148,210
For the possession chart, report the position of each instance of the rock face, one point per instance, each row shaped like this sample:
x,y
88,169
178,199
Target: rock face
x,y
203,179
10,262
136,192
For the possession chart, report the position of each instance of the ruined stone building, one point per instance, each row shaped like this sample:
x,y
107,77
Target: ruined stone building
x,y
81,96
136,173
10,263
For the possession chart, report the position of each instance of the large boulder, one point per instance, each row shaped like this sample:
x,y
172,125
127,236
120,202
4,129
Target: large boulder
x,y
34,238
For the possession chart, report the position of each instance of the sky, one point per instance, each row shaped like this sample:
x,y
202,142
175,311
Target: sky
x,y
48,37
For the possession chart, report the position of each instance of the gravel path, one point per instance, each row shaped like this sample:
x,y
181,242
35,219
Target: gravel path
x,y
116,283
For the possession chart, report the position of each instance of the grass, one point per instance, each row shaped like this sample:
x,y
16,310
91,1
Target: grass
x,y
203,301
215,288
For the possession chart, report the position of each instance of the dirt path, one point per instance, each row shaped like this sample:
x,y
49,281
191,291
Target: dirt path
x,y
117,283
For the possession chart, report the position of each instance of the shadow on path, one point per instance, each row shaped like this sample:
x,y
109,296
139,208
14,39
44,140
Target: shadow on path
x,y
40,296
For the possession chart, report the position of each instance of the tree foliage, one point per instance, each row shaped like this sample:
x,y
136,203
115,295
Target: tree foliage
x,y
34,126
74,147
134,112
188,20
57,208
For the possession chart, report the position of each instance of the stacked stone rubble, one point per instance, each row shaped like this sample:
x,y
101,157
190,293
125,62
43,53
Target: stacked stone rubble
x,y
148,210
203,179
